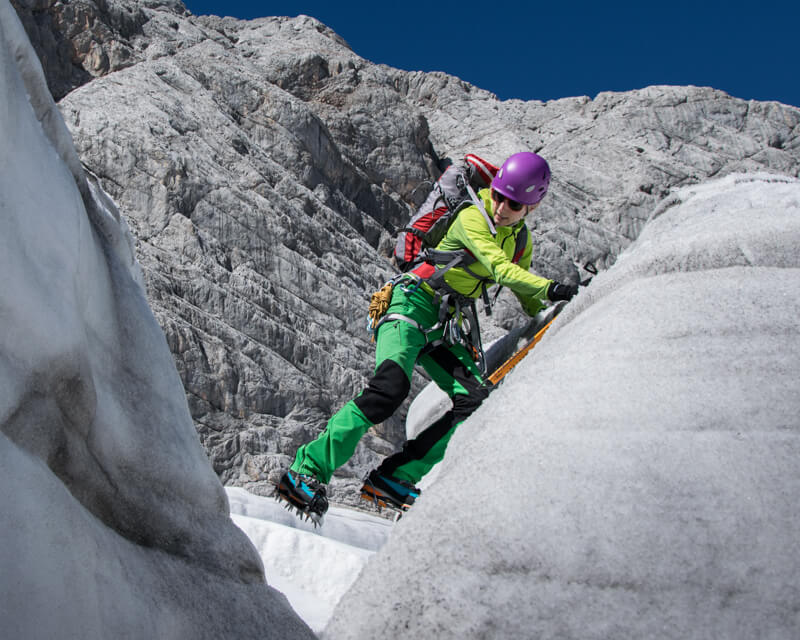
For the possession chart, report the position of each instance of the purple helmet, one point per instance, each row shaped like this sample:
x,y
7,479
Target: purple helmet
x,y
524,177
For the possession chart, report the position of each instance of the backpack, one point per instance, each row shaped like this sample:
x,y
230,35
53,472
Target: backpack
x,y
450,194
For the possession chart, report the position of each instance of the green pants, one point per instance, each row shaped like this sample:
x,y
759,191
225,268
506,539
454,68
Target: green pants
x,y
398,349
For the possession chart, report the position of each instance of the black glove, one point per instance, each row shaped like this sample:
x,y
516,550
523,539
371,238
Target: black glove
x,y
558,291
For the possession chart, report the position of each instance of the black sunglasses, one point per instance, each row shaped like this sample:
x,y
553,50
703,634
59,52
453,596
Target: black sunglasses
x,y
513,204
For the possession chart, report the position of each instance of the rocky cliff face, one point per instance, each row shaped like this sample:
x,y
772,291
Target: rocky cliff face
x,y
264,169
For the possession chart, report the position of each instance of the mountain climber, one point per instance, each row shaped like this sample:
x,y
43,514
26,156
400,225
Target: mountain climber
x,y
412,331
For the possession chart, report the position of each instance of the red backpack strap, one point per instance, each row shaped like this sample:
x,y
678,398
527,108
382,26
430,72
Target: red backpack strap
x,y
486,171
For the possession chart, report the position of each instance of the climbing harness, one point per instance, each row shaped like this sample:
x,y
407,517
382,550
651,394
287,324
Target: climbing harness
x,y
457,319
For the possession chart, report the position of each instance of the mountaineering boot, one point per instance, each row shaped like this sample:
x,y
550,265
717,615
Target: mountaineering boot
x,y
385,491
305,494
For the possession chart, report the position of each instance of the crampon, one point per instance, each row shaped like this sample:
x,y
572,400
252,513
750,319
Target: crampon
x,y
389,493
303,495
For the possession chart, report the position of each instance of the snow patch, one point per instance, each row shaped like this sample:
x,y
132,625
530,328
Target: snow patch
x,y
312,567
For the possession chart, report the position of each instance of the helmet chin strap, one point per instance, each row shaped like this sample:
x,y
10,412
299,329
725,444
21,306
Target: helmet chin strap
x,y
531,208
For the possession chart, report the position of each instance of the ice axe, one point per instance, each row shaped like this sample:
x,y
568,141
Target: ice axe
x,y
498,374
548,316
590,268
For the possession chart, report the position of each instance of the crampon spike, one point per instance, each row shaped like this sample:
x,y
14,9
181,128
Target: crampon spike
x,y
294,500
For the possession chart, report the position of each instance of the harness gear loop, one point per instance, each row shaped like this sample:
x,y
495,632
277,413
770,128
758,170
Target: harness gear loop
x,y
381,300
458,318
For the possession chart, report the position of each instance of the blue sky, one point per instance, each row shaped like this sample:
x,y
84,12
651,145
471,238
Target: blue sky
x,y
555,49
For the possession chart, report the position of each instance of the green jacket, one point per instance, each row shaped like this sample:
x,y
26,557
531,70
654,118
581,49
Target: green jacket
x,y
494,257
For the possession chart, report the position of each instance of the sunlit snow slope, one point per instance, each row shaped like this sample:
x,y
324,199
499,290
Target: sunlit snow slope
x,y
311,566
637,475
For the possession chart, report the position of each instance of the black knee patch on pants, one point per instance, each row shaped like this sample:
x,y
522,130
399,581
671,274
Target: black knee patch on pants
x,y
384,393
463,406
